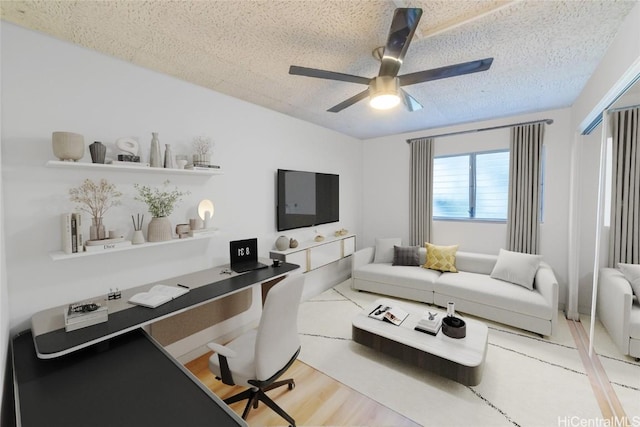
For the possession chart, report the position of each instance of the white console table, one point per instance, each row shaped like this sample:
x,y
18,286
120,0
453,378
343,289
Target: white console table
x,y
311,255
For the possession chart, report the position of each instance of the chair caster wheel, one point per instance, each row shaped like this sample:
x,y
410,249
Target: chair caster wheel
x,y
292,386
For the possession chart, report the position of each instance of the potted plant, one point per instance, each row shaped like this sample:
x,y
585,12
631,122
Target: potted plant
x,y
160,204
96,200
202,146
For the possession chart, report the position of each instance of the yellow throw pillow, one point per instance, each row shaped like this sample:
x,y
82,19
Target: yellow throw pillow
x,y
441,258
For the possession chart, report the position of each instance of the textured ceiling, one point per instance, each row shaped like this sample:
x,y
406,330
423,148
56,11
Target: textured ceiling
x,y
544,51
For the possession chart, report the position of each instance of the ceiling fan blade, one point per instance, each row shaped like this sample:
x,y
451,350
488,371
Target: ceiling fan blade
x,y
403,26
445,72
410,102
330,75
349,102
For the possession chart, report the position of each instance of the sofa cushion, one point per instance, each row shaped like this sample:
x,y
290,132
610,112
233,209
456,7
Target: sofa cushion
x,y
441,258
406,255
475,263
632,274
411,277
482,289
516,267
384,249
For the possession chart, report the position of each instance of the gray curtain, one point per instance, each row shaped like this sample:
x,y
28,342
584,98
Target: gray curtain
x,y
624,235
523,217
421,209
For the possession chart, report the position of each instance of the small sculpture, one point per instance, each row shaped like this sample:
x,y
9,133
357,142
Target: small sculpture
x,y
128,146
341,232
293,243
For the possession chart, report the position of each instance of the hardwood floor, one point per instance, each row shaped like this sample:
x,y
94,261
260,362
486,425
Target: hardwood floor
x,y
610,406
317,400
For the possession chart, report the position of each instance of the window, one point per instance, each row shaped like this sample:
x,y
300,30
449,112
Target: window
x,y
471,186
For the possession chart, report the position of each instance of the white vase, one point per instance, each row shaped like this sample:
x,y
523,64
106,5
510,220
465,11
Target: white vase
x,y
138,237
168,157
159,229
154,156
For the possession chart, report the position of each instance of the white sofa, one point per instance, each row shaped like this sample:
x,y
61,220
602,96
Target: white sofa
x,y
619,310
471,289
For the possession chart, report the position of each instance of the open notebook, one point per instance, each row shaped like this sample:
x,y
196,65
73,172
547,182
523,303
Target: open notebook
x,y
158,295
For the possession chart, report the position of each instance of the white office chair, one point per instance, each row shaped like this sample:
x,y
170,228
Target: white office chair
x,y
259,357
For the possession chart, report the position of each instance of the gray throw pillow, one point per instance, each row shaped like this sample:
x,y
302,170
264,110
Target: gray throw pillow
x,y
406,255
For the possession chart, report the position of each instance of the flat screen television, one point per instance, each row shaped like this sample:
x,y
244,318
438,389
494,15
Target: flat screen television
x,y
306,199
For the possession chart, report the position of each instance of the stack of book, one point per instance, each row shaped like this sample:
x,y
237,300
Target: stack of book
x,y
430,323
81,315
105,244
72,240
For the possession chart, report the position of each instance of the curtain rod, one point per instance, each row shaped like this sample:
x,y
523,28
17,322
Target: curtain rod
x,y
630,107
547,121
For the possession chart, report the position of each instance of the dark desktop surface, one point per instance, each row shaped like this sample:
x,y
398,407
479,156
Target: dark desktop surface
x,y
125,381
50,343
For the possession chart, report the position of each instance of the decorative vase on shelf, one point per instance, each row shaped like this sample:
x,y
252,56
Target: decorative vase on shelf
x,y
168,157
96,229
159,229
67,146
138,237
201,160
154,156
98,151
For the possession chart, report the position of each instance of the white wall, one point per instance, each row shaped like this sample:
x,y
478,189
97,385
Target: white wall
x,y
50,85
386,193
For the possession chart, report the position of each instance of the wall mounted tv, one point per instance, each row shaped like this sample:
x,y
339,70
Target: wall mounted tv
x,y
307,198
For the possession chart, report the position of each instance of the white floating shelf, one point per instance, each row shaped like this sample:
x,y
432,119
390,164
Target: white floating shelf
x,y
132,168
59,255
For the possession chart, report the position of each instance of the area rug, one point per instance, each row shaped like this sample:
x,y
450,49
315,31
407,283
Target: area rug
x,y
527,380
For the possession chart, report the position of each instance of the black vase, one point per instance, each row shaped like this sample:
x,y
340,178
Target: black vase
x,y
98,151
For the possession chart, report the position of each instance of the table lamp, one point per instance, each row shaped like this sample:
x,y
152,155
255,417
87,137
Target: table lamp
x,y
205,212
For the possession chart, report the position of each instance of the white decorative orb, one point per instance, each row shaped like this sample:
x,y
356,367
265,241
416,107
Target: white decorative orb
x,y
282,243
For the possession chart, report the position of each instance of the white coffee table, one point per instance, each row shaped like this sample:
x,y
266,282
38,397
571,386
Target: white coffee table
x,y
461,360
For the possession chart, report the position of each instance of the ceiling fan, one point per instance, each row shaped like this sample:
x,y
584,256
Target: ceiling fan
x,y
385,90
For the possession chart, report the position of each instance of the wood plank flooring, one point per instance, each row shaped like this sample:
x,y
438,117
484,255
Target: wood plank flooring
x,y
610,406
317,400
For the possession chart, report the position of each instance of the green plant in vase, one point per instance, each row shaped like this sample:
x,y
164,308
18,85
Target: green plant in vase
x,y
95,199
160,203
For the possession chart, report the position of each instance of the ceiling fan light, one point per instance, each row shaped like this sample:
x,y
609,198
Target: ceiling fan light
x,y
385,101
383,93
